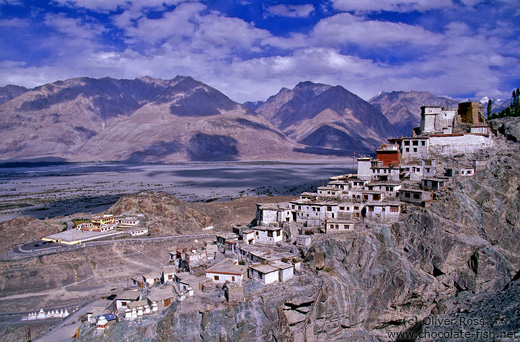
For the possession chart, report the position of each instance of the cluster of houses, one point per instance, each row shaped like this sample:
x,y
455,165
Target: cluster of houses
x,y
221,265
100,227
105,223
404,172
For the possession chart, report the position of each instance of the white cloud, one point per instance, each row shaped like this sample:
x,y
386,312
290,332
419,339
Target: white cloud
x,y
115,4
345,28
73,27
179,23
186,29
224,51
292,11
390,5
14,22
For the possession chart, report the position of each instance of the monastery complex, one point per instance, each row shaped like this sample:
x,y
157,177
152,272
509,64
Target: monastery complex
x,y
407,171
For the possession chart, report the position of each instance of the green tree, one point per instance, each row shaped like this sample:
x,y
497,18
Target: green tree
x,y
490,103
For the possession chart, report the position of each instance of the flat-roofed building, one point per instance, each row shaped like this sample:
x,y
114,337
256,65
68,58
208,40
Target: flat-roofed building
x,y
227,271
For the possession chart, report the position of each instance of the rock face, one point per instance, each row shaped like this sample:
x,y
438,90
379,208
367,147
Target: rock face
x,y
403,109
328,120
145,119
509,127
167,214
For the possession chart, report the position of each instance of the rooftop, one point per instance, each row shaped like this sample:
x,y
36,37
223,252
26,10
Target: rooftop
x,y
160,293
226,267
129,295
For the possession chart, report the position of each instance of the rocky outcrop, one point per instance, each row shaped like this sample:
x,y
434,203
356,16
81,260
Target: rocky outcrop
x,y
165,214
509,127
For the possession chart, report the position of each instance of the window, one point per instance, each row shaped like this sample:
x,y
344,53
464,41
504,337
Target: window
x,y
293,206
418,169
123,303
415,143
216,278
317,209
423,143
415,149
417,196
377,197
278,233
356,208
329,208
428,162
407,194
232,278
407,149
341,208
406,143
427,169
365,197
394,209
370,208
299,207
270,234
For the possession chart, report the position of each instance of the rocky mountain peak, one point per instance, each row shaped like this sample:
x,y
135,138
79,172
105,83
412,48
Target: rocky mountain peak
x,y
10,91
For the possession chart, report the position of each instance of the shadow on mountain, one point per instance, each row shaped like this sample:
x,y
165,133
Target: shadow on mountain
x,y
328,137
156,151
212,147
109,97
259,126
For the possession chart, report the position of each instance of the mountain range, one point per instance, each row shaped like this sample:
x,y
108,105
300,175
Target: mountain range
x,y
150,120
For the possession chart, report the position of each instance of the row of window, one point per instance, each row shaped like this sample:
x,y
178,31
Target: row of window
x,y
414,143
392,209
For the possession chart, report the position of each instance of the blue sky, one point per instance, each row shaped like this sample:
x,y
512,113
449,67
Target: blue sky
x,y
250,49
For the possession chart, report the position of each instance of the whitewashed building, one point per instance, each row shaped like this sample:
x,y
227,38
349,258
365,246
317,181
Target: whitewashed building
x,y
267,235
383,211
227,271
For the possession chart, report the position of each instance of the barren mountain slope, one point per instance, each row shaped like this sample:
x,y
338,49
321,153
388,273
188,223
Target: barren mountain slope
x,y
326,119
